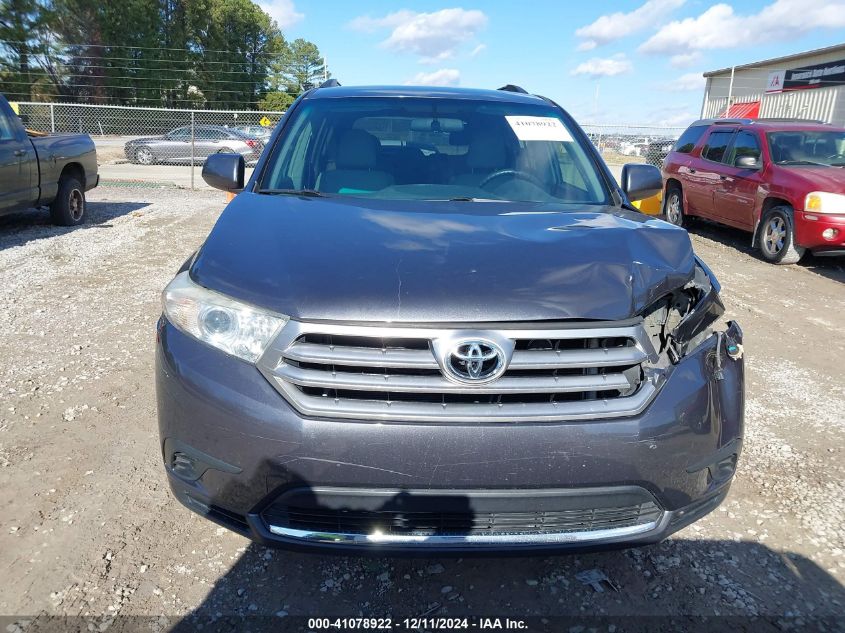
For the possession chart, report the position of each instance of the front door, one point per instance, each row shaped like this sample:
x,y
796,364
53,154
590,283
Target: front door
x,y
736,192
16,159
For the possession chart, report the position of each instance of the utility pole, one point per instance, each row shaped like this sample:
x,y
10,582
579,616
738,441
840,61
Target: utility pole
x,y
730,93
596,103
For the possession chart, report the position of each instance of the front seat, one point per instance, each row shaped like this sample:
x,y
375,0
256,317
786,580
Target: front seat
x,y
787,149
486,154
355,166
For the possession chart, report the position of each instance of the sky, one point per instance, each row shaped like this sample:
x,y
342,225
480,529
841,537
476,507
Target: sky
x,y
622,62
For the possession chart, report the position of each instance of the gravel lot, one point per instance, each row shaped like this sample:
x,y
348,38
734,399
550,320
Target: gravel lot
x,y
88,526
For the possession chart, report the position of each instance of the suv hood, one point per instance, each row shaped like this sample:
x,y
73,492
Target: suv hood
x,y
830,179
355,259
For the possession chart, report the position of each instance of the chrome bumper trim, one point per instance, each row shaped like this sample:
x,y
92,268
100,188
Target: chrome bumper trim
x,y
445,540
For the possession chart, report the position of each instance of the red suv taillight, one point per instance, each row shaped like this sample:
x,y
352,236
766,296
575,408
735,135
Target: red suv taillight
x,y
251,143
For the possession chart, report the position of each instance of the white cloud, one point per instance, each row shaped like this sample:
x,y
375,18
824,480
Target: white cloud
x,y
283,12
604,67
392,20
614,26
680,119
442,77
672,116
432,36
477,50
720,27
685,83
685,60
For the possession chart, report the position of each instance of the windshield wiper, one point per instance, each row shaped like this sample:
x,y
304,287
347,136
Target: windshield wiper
x,y
802,162
311,193
468,199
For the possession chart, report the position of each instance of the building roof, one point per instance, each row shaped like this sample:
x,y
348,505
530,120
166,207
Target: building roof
x,y
424,91
776,60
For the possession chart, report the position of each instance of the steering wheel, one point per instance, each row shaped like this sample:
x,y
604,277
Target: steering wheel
x,y
512,173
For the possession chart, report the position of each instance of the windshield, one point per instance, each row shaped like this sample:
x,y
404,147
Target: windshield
x,y
432,149
826,148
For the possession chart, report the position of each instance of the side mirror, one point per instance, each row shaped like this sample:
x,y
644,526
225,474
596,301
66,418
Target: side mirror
x,y
747,162
224,171
641,181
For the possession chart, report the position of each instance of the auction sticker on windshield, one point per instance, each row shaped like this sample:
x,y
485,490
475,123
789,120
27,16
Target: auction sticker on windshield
x,y
538,128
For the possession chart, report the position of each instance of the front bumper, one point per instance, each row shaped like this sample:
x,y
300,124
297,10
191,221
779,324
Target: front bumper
x,y
248,447
809,228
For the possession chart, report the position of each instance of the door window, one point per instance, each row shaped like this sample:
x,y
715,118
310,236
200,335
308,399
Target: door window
x,y
7,133
179,134
210,134
717,143
745,144
689,139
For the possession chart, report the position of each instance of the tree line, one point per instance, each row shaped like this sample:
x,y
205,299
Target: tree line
x,y
157,53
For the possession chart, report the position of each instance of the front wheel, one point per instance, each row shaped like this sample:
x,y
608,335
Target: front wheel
x,y
776,237
144,156
673,208
68,209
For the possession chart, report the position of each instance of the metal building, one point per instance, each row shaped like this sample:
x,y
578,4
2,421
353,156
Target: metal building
x,y
807,85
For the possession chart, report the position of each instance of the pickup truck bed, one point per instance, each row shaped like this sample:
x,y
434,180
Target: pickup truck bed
x,y
54,170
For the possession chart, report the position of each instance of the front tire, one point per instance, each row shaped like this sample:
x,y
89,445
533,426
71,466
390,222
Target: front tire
x,y
68,209
144,156
776,237
673,206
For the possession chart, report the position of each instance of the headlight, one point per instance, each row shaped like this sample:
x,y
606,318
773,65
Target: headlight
x,y
824,202
231,326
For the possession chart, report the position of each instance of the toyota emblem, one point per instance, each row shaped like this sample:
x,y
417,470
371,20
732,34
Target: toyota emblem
x,y
475,361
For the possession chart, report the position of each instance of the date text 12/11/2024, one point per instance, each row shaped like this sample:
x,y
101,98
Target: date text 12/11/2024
x,y
417,623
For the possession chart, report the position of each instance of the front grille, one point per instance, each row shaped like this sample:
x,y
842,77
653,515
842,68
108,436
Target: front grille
x,y
405,523
392,373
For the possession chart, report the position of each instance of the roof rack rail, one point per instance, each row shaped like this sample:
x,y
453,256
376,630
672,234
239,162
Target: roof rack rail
x,y
787,119
330,83
732,121
513,88
714,121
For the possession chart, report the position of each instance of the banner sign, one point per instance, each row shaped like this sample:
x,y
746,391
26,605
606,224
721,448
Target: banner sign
x,y
815,76
775,83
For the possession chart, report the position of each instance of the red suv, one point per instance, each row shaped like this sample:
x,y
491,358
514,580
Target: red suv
x,y
784,181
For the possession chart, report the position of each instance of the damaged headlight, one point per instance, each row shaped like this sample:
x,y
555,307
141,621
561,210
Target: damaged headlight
x,y
236,328
682,320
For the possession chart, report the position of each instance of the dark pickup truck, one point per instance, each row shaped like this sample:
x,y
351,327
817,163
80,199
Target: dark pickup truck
x,y
53,171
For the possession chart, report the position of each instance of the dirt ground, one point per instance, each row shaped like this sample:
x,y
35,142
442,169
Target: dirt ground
x,y
88,527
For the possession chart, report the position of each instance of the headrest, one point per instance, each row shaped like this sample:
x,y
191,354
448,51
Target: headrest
x,y
357,149
486,151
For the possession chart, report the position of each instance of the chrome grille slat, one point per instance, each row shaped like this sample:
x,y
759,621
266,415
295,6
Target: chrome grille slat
x,y
360,356
438,384
392,373
563,359
380,410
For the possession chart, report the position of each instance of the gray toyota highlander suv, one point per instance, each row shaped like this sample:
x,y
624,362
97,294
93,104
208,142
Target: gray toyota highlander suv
x,y
432,321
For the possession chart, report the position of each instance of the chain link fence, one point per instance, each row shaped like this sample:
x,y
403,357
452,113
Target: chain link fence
x,y
620,144
164,147
155,146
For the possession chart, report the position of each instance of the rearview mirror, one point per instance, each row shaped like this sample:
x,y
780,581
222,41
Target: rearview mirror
x,y
747,162
641,181
224,171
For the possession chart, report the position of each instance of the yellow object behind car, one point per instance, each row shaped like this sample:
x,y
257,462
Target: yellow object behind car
x,y
650,206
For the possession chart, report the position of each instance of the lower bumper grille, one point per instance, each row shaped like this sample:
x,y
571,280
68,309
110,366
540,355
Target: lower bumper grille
x,y
397,373
435,523
447,518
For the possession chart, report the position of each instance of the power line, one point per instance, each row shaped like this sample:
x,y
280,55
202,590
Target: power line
x,y
145,48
